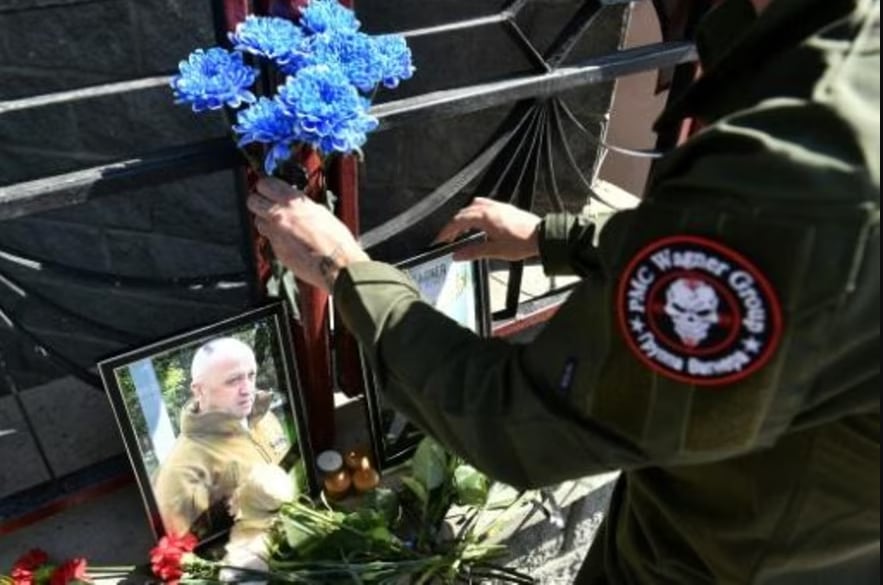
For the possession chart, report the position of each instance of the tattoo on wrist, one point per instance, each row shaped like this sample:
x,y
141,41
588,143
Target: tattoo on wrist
x,y
328,267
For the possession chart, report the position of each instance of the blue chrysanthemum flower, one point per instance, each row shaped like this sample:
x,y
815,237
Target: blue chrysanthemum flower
x,y
328,15
395,58
355,53
330,113
274,38
267,122
211,79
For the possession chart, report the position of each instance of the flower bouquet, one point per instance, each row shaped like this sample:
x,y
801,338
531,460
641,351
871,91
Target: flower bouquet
x,y
301,92
329,71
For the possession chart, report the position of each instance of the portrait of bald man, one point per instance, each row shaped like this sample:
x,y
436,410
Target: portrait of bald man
x,y
226,427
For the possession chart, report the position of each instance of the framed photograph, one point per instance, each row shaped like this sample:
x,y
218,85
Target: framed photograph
x,y
459,289
200,410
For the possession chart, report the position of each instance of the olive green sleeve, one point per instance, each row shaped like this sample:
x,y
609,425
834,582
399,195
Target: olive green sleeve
x,y
483,398
566,244
576,400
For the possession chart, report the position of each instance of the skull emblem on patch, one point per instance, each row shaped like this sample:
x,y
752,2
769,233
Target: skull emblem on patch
x,y
697,311
692,307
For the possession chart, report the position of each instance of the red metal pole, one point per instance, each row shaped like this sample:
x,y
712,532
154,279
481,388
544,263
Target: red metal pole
x,y
235,12
345,182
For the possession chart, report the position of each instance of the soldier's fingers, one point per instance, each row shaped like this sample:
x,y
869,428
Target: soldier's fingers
x,y
263,226
472,251
277,190
465,219
260,206
486,249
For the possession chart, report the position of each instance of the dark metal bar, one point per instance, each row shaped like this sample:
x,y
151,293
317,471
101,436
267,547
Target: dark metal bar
x,y
531,312
54,269
573,32
73,188
452,26
80,186
26,5
83,93
464,100
515,7
531,51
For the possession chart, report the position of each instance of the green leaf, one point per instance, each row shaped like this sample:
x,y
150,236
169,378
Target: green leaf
x,y
382,534
472,486
298,473
430,464
417,489
364,519
385,501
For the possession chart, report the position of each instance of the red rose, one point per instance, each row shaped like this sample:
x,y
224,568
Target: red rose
x,y
22,576
33,559
165,557
23,570
72,570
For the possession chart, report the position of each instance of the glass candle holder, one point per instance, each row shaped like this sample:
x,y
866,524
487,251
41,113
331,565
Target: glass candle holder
x,y
336,480
365,478
353,458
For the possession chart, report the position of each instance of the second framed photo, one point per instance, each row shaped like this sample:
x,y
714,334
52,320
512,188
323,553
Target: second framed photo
x,y
459,289
200,410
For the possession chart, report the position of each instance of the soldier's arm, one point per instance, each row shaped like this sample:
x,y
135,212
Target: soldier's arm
x,y
581,397
566,244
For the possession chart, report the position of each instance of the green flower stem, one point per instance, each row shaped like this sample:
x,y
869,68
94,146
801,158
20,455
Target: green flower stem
x,y
323,520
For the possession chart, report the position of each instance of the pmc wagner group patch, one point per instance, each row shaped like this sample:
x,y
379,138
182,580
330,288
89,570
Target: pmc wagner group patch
x,y
698,312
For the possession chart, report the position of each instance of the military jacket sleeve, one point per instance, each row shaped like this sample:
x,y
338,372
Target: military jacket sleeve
x,y
182,493
788,185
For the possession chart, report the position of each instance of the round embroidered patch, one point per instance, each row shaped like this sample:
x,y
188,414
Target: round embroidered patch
x,y
698,312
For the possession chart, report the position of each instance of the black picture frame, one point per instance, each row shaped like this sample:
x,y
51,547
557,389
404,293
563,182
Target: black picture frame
x,y
393,437
146,383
